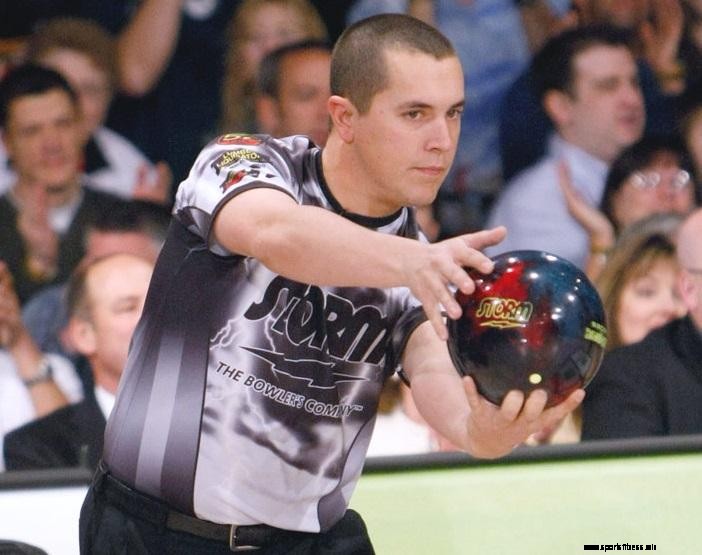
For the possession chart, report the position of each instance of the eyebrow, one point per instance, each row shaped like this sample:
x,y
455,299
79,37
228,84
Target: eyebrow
x,y
420,104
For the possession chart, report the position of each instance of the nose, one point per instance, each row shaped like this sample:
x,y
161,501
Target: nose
x,y
631,92
672,307
442,135
51,141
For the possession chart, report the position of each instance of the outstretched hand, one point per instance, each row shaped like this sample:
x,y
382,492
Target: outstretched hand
x,y
494,431
443,266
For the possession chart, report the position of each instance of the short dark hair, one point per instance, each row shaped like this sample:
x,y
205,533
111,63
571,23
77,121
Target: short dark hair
x,y
636,157
131,215
552,67
28,80
268,79
359,66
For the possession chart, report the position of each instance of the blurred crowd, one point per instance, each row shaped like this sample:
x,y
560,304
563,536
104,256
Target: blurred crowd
x,y
582,134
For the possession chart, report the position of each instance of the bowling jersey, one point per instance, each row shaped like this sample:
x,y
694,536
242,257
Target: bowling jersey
x,y
249,397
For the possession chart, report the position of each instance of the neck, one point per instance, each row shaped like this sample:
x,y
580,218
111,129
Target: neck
x,y
348,181
106,379
592,150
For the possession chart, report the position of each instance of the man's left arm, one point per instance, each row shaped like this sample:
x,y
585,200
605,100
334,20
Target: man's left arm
x,y
452,405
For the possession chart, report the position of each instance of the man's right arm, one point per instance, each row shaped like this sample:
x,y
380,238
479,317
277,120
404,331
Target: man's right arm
x,y
312,245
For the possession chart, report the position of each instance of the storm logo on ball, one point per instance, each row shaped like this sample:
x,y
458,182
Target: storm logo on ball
x,y
504,313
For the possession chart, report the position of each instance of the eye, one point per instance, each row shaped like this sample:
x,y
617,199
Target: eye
x,y
413,114
455,113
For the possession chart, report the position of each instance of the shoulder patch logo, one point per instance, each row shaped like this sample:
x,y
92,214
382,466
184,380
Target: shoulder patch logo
x,y
231,157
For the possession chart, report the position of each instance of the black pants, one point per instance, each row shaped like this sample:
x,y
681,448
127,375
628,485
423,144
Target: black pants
x,y
108,530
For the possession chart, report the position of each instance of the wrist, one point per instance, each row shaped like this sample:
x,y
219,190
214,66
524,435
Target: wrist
x,y
43,373
600,249
40,268
671,76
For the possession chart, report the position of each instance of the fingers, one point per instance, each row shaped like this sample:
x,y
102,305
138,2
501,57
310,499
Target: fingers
x,y
445,267
485,238
534,406
512,405
472,393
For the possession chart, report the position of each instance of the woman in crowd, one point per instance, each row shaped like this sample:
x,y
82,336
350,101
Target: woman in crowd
x,y
653,176
257,28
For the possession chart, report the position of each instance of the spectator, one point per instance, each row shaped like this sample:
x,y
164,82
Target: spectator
x,y
653,387
653,176
639,287
32,383
84,54
292,91
105,298
257,28
655,28
44,214
589,87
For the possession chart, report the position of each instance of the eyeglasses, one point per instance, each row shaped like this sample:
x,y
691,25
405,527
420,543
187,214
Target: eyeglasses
x,y
651,180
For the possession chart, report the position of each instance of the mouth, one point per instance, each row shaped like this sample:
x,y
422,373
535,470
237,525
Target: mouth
x,y
53,162
431,171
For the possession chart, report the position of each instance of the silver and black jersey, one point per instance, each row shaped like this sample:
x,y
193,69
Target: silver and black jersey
x,y
249,397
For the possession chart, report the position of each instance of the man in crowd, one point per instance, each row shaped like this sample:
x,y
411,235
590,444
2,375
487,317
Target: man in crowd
x,y
105,299
44,214
293,88
589,87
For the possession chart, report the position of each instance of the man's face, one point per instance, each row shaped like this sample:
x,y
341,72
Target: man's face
x,y
605,111
42,139
406,141
301,107
117,289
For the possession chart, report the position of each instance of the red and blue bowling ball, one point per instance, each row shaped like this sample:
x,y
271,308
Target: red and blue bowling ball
x,y
535,322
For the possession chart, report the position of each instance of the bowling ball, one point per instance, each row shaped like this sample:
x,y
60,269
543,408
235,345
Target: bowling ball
x,y
535,322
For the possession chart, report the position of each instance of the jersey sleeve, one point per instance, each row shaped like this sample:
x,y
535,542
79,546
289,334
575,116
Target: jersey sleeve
x,y
410,320
226,167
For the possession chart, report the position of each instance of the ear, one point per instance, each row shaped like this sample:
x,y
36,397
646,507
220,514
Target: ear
x,y
267,114
81,336
6,143
343,115
558,107
687,287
